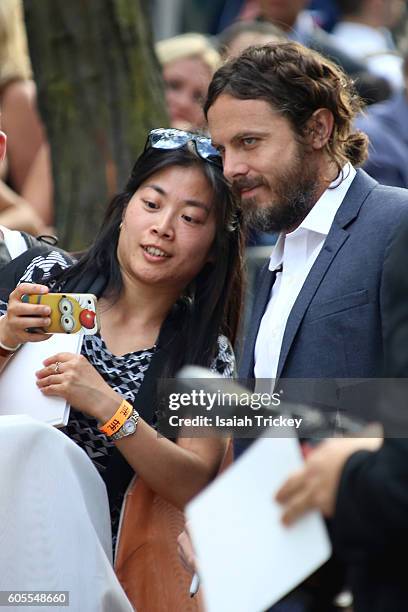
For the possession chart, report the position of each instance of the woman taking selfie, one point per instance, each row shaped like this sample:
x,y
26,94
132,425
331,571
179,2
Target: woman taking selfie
x,y
166,268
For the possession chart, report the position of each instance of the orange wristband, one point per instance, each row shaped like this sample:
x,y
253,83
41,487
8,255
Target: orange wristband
x,y
116,421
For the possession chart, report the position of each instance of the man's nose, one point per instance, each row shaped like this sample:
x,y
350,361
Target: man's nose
x,y
234,166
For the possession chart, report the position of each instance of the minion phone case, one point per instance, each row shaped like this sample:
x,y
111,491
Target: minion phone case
x,y
70,312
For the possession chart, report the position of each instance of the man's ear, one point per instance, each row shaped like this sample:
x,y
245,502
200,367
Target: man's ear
x,y
319,128
3,142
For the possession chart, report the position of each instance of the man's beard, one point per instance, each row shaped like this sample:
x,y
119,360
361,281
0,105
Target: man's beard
x,y
294,195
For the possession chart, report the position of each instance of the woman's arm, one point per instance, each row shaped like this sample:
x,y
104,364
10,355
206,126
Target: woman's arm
x,y
177,472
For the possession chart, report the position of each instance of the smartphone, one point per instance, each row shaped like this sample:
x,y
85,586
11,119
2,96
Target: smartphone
x,y
70,312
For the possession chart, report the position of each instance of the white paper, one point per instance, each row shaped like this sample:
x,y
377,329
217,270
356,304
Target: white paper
x,y
19,393
247,560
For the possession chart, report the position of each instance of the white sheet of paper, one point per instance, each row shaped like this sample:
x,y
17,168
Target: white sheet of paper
x,y
19,393
247,560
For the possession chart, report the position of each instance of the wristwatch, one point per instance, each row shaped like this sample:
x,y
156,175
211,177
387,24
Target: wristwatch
x,y
128,428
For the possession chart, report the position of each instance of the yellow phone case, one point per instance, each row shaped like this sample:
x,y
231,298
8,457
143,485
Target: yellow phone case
x,y
70,312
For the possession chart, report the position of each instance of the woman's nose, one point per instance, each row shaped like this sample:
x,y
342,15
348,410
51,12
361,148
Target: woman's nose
x,y
164,228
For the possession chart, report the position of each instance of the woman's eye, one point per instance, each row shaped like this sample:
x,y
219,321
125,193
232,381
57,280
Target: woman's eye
x,y
190,219
65,306
151,205
67,323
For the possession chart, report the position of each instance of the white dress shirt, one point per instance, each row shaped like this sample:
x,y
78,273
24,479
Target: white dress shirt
x,y
296,252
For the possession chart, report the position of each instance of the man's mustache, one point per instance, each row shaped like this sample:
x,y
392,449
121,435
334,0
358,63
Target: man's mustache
x,y
244,183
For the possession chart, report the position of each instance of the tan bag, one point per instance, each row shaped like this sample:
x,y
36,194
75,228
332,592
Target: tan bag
x,y
147,562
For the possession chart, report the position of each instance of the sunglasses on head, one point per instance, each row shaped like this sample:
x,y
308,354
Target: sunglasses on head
x,y
171,138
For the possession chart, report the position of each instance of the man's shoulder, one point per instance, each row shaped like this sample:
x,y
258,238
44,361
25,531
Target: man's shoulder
x,y
382,213
383,197
387,199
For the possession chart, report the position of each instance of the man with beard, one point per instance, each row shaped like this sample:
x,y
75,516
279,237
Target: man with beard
x,y
281,116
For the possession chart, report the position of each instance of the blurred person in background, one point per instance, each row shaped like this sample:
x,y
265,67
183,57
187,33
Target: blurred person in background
x,y
188,63
14,212
243,34
363,32
386,125
299,25
325,12
26,169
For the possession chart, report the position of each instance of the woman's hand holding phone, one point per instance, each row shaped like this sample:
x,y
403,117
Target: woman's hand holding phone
x,y
22,316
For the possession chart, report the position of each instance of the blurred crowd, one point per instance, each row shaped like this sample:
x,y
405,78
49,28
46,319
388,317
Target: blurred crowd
x,y
367,38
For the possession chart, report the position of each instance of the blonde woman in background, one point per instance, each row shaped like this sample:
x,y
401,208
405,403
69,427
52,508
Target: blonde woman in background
x,y
188,63
26,186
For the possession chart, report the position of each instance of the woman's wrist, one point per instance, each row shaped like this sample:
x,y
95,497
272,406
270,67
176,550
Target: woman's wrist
x,y
107,406
7,341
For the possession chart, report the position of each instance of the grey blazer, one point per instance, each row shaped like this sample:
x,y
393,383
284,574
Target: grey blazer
x,y
336,328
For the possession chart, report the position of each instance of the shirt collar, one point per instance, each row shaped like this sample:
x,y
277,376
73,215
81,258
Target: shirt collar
x,y
321,217
277,253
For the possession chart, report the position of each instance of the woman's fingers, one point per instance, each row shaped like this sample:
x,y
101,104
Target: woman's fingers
x,y
27,289
36,336
54,369
22,309
22,316
61,357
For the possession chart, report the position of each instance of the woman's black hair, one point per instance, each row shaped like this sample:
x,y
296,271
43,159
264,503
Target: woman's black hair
x,y
211,303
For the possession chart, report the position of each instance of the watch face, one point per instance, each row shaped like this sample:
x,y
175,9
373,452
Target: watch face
x,y
129,427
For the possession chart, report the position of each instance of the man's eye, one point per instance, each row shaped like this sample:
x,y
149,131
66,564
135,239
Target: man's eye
x,y
249,141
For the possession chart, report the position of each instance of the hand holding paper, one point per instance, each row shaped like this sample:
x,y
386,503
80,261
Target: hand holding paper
x,y
247,560
19,393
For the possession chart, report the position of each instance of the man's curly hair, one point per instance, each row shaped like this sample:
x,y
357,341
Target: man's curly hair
x,y
296,81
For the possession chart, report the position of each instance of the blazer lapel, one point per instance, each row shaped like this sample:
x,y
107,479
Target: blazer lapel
x,y
316,275
348,211
262,293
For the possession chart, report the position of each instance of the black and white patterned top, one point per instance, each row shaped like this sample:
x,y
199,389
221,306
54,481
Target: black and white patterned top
x,y
123,373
